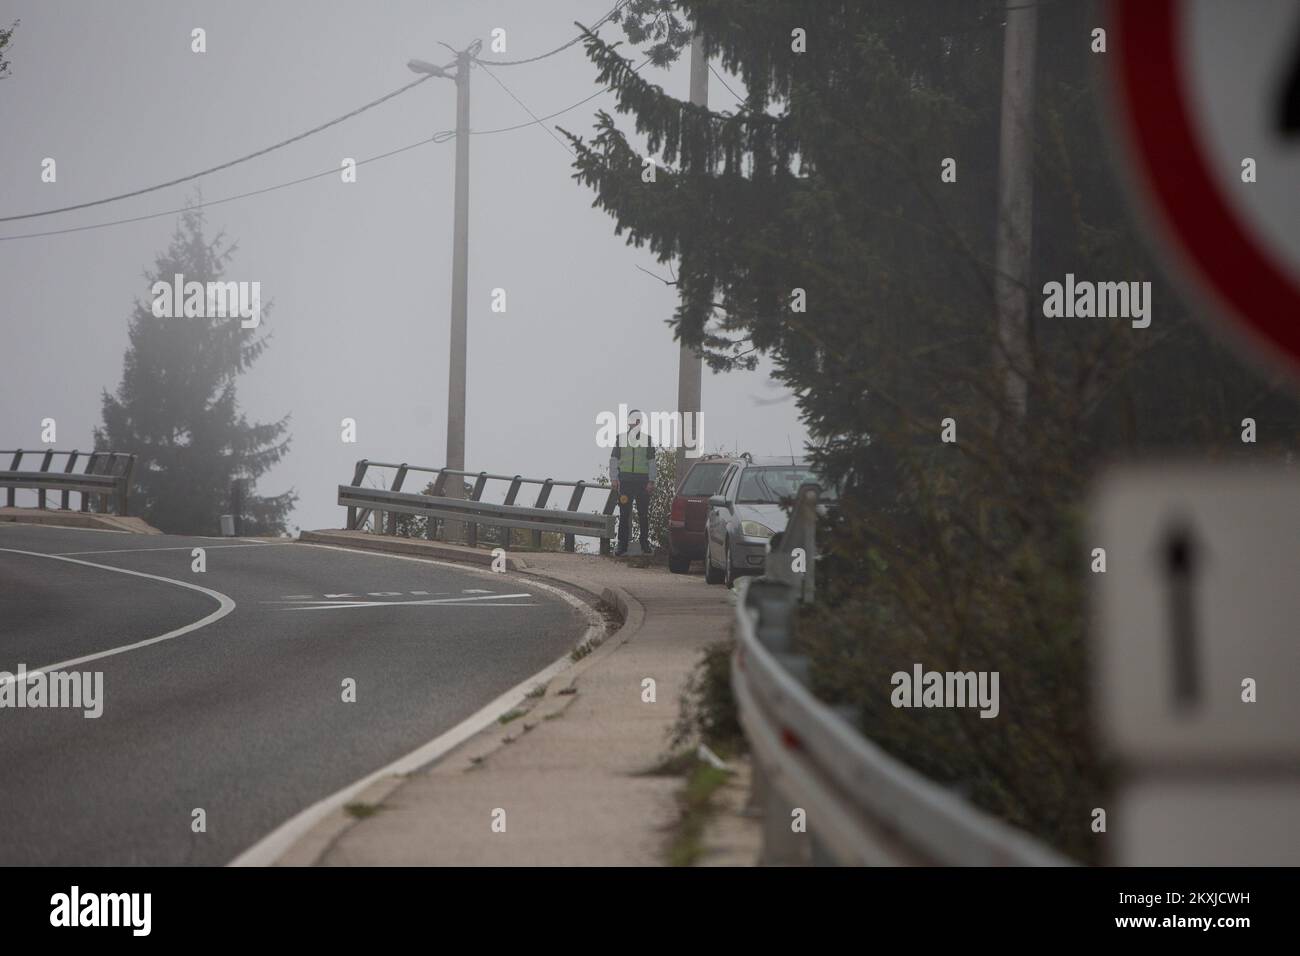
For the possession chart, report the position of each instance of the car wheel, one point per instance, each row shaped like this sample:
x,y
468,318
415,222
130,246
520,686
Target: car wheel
x,y
728,572
678,563
711,574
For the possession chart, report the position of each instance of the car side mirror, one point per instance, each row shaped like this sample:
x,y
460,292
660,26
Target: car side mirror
x,y
718,501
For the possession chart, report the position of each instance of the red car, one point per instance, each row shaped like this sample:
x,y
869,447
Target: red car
x,y
690,510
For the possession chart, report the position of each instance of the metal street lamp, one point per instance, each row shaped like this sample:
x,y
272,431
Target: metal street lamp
x,y
455,459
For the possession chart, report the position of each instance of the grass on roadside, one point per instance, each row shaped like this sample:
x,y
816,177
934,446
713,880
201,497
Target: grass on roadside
x,y
695,808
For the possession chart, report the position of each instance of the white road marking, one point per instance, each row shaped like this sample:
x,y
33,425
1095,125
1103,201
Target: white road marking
x,y
276,843
475,591
312,597
188,547
226,606
332,605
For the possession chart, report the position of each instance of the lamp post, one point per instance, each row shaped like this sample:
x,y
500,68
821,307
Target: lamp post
x,y
455,458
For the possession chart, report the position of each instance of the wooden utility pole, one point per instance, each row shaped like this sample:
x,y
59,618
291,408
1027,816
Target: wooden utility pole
x,y
454,488
690,367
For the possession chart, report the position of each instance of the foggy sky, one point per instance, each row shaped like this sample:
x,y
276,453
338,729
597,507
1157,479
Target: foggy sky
x,y
358,274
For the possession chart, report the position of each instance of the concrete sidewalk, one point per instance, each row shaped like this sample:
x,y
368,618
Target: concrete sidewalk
x,y
566,778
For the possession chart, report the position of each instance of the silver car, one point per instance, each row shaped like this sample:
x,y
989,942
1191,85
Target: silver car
x,y
746,512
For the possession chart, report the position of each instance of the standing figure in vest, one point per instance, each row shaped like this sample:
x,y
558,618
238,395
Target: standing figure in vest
x,y
632,474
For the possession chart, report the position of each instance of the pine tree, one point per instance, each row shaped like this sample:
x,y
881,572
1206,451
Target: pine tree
x,y
176,407
6,37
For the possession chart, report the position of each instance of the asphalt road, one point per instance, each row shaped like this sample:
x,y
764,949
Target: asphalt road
x,y
244,715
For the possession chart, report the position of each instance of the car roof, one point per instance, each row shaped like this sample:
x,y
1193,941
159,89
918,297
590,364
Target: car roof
x,y
714,460
781,460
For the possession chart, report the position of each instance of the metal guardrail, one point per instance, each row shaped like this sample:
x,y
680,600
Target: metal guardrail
x,y
106,476
863,807
473,511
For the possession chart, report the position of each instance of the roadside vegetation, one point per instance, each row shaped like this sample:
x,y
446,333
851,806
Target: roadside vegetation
x,y
968,554
177,409
707,710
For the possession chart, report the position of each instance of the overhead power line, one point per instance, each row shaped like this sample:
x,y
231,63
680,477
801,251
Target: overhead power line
x,y
213,169
217,202
440,137
560,49
565,146
446,134
721,80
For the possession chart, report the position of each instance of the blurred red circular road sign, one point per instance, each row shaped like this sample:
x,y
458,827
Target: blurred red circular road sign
x,y
1200,86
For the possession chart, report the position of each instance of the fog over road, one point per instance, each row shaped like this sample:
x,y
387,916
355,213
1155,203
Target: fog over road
x,y
242,716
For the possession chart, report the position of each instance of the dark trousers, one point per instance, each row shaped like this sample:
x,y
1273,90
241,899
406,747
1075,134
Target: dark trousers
x,y
634,488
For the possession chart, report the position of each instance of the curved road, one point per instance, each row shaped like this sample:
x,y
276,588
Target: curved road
x,y
242,716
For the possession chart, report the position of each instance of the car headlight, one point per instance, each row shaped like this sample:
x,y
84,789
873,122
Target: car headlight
x,y
752,529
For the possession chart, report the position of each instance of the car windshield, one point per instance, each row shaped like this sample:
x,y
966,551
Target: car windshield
x,y
703,479
769,484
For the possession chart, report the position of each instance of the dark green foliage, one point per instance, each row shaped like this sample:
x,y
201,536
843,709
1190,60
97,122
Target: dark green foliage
x,y
176,406
661,499
657,24
708,708
6,38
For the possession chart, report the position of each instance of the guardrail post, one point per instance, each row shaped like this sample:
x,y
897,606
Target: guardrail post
x,y
606,544
570,541
398,480
124,494
45,466
439,486
105,467
479,483
13,466
808,496
67,470
118,493
471,532
542,497
507,532
782,846
358,474
775,603
105,497
91,463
